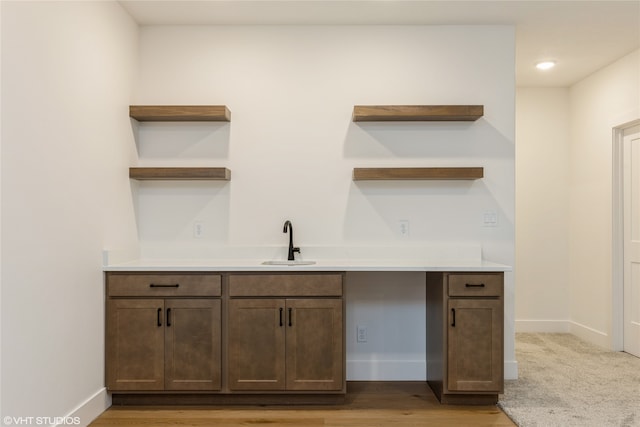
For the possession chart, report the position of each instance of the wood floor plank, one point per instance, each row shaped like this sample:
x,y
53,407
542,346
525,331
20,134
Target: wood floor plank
x,y
368,404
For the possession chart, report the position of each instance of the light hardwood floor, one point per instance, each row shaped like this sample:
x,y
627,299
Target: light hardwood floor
x,y
368,404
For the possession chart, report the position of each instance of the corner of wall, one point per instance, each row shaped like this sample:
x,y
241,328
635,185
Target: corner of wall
x,y
90,409
602,101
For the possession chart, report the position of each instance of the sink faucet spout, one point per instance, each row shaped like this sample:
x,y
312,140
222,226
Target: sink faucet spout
x,y
289,227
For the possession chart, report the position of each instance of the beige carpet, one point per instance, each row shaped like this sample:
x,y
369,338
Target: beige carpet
x,y
564,381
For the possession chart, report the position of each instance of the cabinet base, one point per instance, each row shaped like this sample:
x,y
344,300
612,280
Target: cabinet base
x,y
339,398
227,399
469,399
462,399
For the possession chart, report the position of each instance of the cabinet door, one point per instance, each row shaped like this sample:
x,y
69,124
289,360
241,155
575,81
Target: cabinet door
x,y
135,344
256,344
314,344
192,344
475,359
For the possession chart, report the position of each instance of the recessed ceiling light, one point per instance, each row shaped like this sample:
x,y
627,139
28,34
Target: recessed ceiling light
x,y
545,65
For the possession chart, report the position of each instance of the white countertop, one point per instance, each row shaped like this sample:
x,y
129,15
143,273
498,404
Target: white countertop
x,y
321,265
424,258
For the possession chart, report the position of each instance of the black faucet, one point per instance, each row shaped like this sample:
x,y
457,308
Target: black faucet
x,y
289,227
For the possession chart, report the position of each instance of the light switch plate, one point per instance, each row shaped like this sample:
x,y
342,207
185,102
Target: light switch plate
x,y
403,228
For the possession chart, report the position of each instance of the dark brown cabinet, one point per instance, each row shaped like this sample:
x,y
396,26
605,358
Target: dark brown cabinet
x,y
256,345
465,360
135,345
170,342
286,333
314,348
250,337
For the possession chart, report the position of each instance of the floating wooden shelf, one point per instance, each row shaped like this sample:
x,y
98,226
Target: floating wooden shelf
x,y
180,113
429,113
373,174
184,174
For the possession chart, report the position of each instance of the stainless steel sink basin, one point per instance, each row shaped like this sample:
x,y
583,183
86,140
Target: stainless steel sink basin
x,y
290,263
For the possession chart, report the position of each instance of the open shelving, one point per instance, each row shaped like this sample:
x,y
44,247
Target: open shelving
x,y
383,174
179,173
429,113
180,113
413,113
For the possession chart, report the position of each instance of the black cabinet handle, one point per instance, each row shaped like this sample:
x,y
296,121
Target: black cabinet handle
x,y
168,317
290,310
472,285
160,317
280,316
453,317
155,285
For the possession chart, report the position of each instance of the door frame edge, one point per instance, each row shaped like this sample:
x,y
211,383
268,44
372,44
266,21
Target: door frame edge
x,y
617,241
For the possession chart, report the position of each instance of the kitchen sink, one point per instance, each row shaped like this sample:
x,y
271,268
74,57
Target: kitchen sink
x,y
290,263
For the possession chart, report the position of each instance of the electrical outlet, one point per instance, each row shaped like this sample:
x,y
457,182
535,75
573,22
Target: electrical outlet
x,y
490,219
361,334
198,229
403,228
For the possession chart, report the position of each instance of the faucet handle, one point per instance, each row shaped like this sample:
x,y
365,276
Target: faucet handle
x,y
296,250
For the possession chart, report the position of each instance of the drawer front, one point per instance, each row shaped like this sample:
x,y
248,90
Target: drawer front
x,y
163,285
476,284
285,285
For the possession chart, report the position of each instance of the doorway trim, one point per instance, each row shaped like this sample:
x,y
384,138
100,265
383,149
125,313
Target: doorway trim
x,y
617,261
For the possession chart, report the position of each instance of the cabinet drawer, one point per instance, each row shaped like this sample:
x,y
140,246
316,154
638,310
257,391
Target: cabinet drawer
x,y
285,285
163,285
475,284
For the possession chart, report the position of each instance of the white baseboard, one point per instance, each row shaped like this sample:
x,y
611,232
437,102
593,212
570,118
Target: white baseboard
x,y
557,326
511,370
386,370
586,333
404,370
359,370
90,409
590,335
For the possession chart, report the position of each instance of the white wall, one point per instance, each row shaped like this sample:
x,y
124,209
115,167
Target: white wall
x,y
0,222
604,100
564,200
291,147
542,209
67,73
67,143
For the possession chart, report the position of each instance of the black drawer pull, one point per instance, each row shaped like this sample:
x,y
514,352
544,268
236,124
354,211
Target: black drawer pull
x,y
280,316
159,317
154,285
473,285
290,309
168,317
453,317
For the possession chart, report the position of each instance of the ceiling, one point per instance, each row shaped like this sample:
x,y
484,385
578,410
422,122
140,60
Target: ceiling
x,y
582,36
